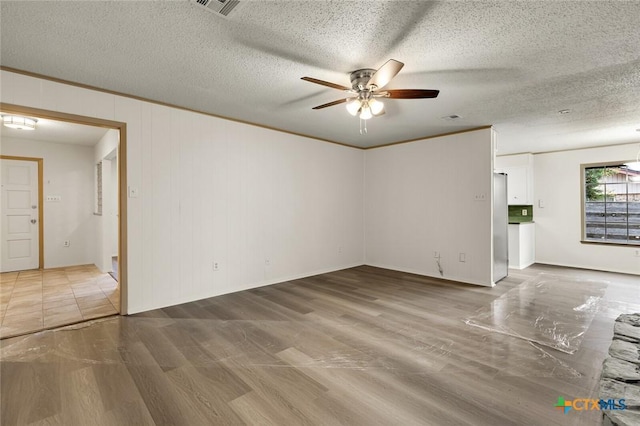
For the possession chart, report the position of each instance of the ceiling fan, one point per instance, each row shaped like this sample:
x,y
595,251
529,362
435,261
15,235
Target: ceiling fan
x,y
366,87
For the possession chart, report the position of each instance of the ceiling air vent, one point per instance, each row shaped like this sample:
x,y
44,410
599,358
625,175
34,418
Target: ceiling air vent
x,y
221,7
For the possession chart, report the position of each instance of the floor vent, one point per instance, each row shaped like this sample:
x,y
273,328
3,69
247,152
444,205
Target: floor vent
x,y
220,7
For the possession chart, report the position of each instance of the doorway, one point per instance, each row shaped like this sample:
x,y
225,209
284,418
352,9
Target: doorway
x,y
95,292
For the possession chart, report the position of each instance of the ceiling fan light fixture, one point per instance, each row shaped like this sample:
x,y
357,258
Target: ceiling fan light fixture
x,y
18,122
365,113
353,106
365,87
376,106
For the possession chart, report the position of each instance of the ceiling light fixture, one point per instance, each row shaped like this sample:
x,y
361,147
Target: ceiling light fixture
x,y
353,106
365,108
365,105
18,122
365,112
376,106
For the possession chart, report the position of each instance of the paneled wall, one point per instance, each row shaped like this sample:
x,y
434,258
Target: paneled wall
x,y
265,206
430,199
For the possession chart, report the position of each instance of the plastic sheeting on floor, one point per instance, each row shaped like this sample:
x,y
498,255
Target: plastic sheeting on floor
x,y
526,312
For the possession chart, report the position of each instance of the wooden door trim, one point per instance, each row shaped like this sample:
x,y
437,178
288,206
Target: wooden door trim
x,y
40,164
121,127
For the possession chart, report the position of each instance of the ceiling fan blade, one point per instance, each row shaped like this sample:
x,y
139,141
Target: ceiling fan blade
x,y
411,94
325,83
339,101
385,73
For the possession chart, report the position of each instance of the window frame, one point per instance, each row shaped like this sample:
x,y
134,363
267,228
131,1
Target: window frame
x,y
583,224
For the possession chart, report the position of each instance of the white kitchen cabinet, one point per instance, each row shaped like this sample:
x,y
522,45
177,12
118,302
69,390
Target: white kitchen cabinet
x,y
518,185
519,171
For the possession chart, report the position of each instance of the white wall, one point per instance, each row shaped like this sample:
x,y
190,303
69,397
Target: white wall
x,y
106,145
558,225
67,172
104,152
212,189
420,198
515,160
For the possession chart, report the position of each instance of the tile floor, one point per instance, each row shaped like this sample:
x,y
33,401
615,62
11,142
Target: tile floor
x,y
39,299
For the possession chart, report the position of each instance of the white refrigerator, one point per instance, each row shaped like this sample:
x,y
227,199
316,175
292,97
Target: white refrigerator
x,y
500,227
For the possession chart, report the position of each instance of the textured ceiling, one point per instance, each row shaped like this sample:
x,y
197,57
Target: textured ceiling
x,y
510,64
58,132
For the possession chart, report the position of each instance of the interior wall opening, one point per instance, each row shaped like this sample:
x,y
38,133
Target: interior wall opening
x,y
80,269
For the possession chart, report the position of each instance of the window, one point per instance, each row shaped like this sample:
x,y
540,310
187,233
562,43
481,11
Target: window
x,y
611,209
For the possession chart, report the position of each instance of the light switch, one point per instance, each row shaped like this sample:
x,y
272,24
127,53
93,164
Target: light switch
x,y
524,212
133,192
54,198
541,204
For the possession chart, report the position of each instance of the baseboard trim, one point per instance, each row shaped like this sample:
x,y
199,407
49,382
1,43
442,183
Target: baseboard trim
x,y
564,265
201,296
424,274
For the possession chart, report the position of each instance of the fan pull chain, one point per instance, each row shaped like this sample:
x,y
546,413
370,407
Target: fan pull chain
x,y
363,130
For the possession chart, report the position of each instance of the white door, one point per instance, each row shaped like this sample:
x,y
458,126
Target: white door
x,y
19,209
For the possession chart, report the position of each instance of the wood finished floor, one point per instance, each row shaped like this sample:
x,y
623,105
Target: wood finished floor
x,y
38,299
362,346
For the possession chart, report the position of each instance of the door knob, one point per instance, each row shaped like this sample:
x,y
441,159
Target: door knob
x,y
33,221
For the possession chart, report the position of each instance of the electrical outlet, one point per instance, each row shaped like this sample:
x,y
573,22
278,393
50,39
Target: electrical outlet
x,y
436,255
637,253
267,262
462,257
216,266
66,243
524,212
339,249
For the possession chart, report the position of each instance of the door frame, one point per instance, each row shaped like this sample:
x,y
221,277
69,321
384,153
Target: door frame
x,y
40,164
121,127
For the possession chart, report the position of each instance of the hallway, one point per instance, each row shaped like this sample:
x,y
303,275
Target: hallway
x,y
39,299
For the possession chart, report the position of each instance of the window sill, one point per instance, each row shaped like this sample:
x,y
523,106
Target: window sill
x,y
607,243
